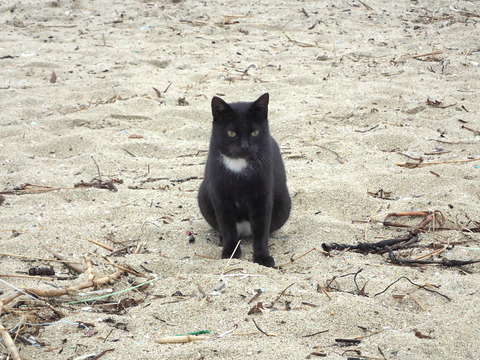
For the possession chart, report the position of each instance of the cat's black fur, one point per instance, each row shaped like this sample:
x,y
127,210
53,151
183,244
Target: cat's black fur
x,y
244,177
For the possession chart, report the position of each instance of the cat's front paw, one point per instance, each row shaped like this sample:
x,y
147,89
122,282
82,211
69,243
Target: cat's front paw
x,y
265,260
227,253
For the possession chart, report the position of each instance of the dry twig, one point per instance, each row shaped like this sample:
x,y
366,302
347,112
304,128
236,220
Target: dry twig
x,y
423,163
8,341
76,269
259,329
181,339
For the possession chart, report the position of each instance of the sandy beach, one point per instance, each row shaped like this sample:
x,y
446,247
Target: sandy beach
x,y
104,131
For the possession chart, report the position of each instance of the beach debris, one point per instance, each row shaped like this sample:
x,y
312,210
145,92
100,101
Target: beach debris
x,y
190,236
432,221
99,184
381,194
294,259
420,335
195,336
347,342
259,329
422,163
371,128
160,94
475,132
53,78
184,179
426,287
74,268
301,43
368,7
429,56
257,308
30,189
35,294
259,292
316,353
438,104
181,339
182,101
315,333
37,270
326,288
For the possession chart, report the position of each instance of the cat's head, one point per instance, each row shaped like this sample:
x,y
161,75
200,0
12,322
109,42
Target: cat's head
x,y
240,130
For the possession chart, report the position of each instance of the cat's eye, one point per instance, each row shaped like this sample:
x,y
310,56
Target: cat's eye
x,y
255,133
231,133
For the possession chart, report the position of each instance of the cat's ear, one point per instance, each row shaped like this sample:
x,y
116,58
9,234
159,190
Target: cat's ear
x,y
219,108
261,105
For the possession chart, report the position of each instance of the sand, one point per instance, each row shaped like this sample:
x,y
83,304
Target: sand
x,y
356,89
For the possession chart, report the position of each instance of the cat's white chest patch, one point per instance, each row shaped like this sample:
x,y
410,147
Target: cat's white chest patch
x,y
235,165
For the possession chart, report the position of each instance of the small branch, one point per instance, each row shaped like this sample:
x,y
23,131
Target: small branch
x,y
364,131
101,244
30,189
475,132
71,266
281,294
444,262
317,333
73,289
423,164
8,341
366,6
301,43
411,282
97,184
184,179
98,169
125,268
258,328
427,54
292,260
96,357
181,339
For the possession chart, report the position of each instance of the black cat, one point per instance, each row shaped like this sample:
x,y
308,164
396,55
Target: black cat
x,y
244,192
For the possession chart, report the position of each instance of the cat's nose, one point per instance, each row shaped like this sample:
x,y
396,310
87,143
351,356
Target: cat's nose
x,y
244,144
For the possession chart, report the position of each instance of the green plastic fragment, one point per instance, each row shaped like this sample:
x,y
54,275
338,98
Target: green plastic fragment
x,y
200,332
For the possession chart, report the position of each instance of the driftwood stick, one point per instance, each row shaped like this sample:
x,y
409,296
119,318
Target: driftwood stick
x,y
88,262
423,164
8,341
31,257
433,53
8,299
109,248
73,289
181,339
